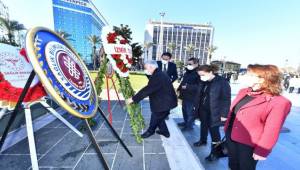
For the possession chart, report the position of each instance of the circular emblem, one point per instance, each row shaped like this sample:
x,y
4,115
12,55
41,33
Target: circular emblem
x,y
67,69
62,72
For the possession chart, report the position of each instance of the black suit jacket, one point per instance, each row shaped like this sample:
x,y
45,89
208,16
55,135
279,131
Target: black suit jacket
x,y
160,91
219,99
171,71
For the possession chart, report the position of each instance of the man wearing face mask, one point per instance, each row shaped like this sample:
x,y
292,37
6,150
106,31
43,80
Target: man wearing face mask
x,y
190,77
212,104
168,67
162,98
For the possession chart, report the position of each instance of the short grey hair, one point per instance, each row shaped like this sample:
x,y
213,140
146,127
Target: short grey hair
x,y
153,63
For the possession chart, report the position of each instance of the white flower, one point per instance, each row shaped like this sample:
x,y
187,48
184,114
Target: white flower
x,y
128,65
125,61
123,57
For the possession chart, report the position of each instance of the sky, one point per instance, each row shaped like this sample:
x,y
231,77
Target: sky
x,y
246,31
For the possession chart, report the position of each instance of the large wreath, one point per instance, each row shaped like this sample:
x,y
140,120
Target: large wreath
x,y
118,51
121,62
9,94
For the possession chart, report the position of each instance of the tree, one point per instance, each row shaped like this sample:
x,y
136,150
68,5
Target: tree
x,y
190,49
210,51
147,46
11,27
94,41
65,35
124,31
180,67
172,47
137,51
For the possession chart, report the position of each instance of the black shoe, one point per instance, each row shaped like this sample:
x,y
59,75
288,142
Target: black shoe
x,y
167,135
147,134
182,124
211,157
215,153
200,143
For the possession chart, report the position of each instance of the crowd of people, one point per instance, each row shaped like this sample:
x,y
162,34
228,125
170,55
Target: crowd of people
x,y
292,83
252,122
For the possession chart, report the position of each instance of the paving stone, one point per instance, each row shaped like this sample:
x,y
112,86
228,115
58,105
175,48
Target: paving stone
x,y
107,134
125,162
156,161
129,140
66,152
92,162
45,138
105,146
14,162
153,147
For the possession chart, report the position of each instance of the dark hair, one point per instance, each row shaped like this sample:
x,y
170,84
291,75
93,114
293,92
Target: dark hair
x,y
195,60
167,54
208,68
272,76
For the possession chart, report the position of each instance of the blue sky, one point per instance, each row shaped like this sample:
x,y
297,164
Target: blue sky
x,y
253,31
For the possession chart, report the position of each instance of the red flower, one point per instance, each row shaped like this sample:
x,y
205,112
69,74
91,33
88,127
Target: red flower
x,y
116,56
124,41
111,37
23,53
129,59
120,65
124,69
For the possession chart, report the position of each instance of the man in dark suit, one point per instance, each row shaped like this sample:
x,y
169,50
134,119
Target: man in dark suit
x,y
168,67
162,98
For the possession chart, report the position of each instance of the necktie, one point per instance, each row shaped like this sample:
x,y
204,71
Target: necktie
x,y
165,68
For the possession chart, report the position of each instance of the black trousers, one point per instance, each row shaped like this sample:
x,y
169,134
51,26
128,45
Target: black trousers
x,y
205,128
158,120
239,155
188,113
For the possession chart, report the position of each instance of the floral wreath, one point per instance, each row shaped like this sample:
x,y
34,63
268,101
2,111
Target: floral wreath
x,y
9,94
121,63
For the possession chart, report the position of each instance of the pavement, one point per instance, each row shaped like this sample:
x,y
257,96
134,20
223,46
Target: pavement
x,y
60,148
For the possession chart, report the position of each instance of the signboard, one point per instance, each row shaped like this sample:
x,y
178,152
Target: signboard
x,y
14,72
62,72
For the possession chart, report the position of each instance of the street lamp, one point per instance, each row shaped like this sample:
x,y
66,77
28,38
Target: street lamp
x,y
161,35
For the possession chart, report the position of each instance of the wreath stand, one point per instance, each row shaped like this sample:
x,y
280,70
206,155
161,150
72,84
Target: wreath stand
x,y
107,78
29,127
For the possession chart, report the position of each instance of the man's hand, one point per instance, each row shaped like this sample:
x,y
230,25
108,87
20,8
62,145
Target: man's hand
x,y
258,158
129,101
223,119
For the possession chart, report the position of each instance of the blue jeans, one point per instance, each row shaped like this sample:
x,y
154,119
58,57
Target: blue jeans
x,y
188,113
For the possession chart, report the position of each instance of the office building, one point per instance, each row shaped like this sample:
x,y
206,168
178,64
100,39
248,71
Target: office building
x,y
182,40
80,19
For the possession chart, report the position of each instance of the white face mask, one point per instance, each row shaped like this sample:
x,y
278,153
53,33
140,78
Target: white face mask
x,y
249,81
204,78
190,67
147,72
164,61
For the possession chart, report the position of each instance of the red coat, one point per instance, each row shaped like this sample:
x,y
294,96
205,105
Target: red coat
x,y
258,123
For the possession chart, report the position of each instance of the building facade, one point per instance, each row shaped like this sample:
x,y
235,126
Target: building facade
x,y
80,19
227,66
182,40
